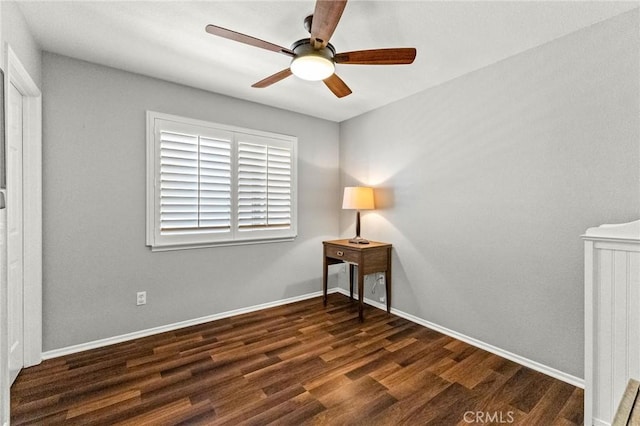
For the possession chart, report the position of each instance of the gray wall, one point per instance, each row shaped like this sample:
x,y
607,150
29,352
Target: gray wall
x,y
15,31
95,259
486,183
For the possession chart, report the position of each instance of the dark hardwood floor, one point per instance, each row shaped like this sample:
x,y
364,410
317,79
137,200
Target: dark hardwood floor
x,y
291,365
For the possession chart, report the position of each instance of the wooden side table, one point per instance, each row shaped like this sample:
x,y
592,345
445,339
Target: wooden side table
x,y
369,258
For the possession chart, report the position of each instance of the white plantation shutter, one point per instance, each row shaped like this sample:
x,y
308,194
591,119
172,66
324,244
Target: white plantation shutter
x,y
279,187
252,186
178,182
195,184
213,184
264,186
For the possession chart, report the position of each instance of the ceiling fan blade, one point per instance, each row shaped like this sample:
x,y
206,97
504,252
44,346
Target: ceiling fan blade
x,y
398,56
243,38
325,19
337,86
281,75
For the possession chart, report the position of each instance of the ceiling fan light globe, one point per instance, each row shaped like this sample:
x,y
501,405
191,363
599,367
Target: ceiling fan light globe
x,y
312,67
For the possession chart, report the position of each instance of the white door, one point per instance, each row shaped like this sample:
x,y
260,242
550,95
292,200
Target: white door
x,y
15,259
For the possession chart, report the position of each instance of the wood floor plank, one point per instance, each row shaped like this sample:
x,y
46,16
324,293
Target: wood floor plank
x,y
548,407
529,396
173,412
573,410
468,372
296,364
93,405
277,412
343,408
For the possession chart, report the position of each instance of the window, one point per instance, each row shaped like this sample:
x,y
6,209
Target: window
x,y
210,184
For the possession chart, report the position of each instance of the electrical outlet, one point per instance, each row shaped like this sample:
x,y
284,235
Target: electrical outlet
x,y
141,298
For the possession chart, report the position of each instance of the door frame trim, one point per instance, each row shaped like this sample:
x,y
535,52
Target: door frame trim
x,y
32,204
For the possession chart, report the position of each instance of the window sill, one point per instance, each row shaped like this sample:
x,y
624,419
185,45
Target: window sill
x,y
220,244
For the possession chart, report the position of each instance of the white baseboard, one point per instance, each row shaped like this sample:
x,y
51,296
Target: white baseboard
x,y
170,327
575,381
549,371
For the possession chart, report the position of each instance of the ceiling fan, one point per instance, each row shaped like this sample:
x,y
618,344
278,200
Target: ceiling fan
x,y
314,58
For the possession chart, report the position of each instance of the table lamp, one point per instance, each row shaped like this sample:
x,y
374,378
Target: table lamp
x,y
358,198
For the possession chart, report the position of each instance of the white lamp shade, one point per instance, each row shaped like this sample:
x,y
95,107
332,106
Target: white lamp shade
x,y
358,198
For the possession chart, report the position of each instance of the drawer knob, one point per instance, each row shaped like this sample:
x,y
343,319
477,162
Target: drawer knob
x,y
340,253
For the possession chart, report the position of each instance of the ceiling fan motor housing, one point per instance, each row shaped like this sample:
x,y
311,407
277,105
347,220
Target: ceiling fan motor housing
x,y
303,47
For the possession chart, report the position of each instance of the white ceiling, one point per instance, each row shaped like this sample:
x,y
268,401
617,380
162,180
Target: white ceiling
x,y
167,40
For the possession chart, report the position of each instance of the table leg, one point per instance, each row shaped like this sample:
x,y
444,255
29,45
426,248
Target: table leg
x,y
351,278
360,295
324,280
387,280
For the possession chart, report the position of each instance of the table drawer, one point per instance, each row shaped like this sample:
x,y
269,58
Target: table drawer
x,y
342,253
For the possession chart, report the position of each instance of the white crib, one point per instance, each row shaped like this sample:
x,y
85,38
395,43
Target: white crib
x,y
612,317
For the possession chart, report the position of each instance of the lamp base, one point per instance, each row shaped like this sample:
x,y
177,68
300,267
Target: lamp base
x,y
358,240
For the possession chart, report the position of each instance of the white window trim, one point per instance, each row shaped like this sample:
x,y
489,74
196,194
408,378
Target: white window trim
x,y
235,237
